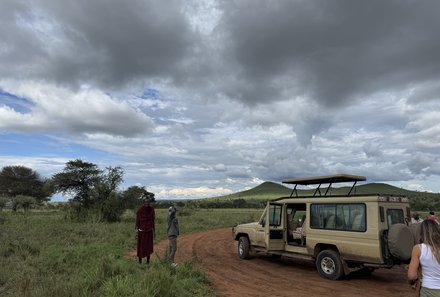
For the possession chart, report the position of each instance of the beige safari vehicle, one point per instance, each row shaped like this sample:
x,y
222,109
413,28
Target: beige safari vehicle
x,y
340,233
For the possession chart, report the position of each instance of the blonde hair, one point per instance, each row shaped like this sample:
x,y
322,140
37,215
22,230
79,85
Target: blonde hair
x,y
430,235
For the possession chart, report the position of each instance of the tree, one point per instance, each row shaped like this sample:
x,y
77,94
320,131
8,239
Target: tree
x,y
132,197
108,183
106,196
78,179
239,203
21,180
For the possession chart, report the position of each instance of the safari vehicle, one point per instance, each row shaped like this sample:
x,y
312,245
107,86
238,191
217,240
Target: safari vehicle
x,y
341,233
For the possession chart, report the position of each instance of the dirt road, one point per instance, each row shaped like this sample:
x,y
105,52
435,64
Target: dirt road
x,y
266,276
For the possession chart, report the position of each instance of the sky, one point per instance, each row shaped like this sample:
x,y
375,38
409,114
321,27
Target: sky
x,y
202,98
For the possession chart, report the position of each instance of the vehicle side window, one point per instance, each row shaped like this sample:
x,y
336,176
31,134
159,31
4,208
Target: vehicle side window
x,y
341,216
275,215
395,216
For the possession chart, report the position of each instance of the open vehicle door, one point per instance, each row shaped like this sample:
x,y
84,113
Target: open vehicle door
x,y
274,227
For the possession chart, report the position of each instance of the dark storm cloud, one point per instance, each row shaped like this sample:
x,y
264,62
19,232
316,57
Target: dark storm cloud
x,y
260,51
18,44
107,43
331,51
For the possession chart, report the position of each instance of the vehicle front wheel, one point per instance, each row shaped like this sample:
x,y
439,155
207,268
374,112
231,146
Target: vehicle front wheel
x,y
243,247
329,265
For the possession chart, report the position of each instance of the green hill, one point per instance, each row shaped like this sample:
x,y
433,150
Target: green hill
x,y
264,191
270,190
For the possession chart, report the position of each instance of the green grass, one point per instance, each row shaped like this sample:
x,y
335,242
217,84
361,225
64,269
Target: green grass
x,y
42,254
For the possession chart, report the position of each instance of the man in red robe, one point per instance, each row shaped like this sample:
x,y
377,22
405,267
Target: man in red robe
x,y
145,230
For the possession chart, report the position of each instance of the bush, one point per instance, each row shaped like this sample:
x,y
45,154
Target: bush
x,y
111,210
25,202
3,202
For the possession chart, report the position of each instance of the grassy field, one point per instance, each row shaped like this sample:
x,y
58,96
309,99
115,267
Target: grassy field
x,y
43,254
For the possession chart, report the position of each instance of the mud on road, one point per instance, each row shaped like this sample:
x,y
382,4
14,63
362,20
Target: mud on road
x,y
267,276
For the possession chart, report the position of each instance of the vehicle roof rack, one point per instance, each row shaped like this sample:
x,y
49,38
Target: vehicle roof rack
x,y
326,179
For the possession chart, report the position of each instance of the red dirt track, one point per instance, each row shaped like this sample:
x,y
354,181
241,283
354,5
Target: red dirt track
x,y
266,276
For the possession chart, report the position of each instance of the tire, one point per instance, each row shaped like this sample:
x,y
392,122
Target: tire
x,y
329,265
400,241
243,247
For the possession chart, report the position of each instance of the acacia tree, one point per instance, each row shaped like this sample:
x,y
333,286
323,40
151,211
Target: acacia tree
x,y
21,180
78,179
108,182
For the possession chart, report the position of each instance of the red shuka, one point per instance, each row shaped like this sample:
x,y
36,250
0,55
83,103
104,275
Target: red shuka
x,y
145,225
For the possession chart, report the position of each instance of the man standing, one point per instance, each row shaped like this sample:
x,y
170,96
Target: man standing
x,y
432,217
145,230
173,232
416,218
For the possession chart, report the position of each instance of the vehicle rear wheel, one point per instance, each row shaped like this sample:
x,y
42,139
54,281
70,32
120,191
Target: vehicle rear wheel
x,y
243,247
329,265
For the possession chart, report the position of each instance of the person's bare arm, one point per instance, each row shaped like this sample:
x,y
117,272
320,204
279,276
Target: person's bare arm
x,y
414,264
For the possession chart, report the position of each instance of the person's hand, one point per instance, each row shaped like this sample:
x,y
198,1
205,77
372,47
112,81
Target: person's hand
x,y
413,283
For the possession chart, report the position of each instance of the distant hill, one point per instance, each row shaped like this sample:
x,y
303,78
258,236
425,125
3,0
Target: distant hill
x,y
264,191
271,190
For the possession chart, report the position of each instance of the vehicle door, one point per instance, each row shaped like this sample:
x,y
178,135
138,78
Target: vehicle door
x,y
260,231
274,227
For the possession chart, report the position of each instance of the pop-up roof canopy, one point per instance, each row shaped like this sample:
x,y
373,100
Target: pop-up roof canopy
x,y
327,179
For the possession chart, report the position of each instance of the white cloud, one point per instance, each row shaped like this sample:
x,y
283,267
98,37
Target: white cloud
x,y
188,192
86,110
45,166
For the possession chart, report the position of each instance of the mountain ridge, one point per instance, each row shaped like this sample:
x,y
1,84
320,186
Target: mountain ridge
x,y
271,190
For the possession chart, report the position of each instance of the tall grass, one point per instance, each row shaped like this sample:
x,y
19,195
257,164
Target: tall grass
x,y
43,254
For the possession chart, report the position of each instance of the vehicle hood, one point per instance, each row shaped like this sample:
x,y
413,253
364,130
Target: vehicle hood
x,y
248,225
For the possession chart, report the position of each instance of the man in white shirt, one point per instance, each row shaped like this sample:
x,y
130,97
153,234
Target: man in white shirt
x,y
416,218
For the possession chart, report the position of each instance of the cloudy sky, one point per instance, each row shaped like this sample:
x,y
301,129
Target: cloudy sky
x,y
202,98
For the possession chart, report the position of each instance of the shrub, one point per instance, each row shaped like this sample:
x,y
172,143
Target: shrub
x,y
111,210
25,202
3,202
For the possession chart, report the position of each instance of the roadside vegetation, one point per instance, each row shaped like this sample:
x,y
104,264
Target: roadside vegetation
x,y
44,253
